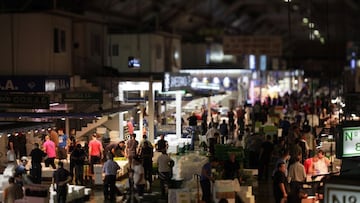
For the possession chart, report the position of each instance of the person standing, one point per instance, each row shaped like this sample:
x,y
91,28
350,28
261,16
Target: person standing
x,y
193,128
61,178
110,169
165,170
131,148
37,156
265,156
95,152
205,180
231,168
63,144
279,183
284,158
130,125
147,155
161,144
224,131
50,150
231,120
12,192
139,176
297,176
212,136
78,156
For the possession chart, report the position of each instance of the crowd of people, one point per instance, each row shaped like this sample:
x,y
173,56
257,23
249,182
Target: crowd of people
x,y
292,150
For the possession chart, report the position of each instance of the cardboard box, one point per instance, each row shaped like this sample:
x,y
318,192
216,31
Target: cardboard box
x,y
225,195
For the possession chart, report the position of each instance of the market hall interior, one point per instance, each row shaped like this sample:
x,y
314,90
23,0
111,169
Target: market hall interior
x,y
263,93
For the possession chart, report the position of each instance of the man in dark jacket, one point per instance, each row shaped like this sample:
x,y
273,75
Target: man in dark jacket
x,y
78,156
61,178
37,156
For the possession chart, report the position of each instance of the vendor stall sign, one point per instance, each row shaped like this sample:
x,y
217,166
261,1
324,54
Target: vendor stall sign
x,y
340,193
257,45
176,81
25,101
22,84
85,97
351,142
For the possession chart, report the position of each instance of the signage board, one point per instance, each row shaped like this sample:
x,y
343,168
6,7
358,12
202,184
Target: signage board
x,y
84,97
33,83
351,142
257,45
25,101
176,81
341,193
57,84
22,84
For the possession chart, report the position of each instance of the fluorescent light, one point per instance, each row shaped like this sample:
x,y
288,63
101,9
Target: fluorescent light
x,y
54,104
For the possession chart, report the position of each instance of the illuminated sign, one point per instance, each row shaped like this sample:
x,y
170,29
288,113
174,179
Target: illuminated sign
x,y
133,62
34,83
339,193
176,81
351,142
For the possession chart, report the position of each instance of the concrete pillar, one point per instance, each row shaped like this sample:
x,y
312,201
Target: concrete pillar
x,y
178,96
121,125
151,109
209,110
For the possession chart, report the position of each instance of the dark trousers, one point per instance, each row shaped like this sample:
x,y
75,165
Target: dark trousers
x,y
79,174
93,160
263,169
72,165
212,142
35,172
206,190
50,161
110,187
147,164
61,192
140,189
164,181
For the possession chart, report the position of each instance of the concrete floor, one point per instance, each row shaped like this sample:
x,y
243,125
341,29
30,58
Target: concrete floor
x,y
263,194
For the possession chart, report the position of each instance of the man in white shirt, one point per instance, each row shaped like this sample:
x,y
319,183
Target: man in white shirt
x,y
165,170
139,176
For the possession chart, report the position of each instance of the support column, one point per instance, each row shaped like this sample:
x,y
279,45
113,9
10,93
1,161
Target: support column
x,y
67,126
209,110
151,116
141,115
178,95
121,125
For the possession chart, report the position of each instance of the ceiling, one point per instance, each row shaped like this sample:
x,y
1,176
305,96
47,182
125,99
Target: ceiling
x,y
337,21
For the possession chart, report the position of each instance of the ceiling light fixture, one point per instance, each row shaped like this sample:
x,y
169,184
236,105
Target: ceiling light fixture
x,y
305,20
